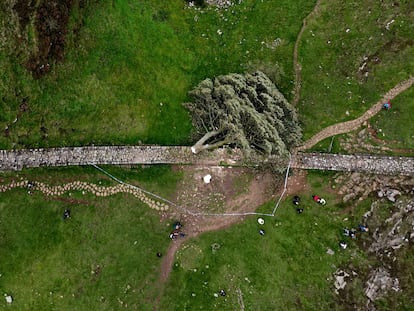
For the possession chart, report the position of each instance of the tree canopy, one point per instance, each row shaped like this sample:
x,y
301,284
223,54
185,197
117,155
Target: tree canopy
x,y
246,111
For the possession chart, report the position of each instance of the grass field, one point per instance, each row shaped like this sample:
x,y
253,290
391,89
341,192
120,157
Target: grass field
x,y
283,270
125,74
130,66
396,126
103,257
333,50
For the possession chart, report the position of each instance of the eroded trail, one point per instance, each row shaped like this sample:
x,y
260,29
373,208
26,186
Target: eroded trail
x,y
260,189
296,65
348,126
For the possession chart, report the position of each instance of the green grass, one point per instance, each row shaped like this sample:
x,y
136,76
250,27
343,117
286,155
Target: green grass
x,y
328,145
127,72
397,124
158,178
47,263
283,270
330,58
123,80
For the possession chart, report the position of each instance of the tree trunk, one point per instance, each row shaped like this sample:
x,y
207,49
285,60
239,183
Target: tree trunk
x,y
200,146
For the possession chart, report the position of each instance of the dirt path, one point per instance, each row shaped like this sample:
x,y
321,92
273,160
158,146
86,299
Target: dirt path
x,y
349,126
296,64
226,183
260,190
228,189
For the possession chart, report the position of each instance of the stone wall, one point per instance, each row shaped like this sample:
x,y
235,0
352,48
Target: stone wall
x,y
384,165
116,155
127,155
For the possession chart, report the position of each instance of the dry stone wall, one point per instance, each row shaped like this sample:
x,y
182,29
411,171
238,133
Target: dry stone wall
x,y
116,155
384,165
129,155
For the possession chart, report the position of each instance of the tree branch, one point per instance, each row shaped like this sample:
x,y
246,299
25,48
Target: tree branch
x,y
199,146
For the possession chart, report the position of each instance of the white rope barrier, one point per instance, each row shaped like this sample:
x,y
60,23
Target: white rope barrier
x,y
143,190
204,214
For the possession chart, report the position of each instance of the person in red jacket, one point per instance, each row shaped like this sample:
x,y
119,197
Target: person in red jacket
x,y
316,198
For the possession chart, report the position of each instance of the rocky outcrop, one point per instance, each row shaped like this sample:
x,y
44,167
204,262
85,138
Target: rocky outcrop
x,y
340,282
396,231
379,282
354,187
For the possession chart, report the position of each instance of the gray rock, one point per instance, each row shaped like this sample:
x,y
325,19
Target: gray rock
x,y
361,134
378,284
391,194
340,282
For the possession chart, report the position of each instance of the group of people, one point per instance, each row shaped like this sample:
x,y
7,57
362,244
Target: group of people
x,y
346,232
352,233
177,232
296,202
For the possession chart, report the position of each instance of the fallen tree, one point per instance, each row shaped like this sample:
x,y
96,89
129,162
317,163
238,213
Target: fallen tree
x,y
244,111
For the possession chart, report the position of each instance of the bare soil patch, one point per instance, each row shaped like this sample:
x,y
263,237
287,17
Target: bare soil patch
x,y
297,183
51,19
231,190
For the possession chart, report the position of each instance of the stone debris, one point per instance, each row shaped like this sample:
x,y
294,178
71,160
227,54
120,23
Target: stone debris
x,y
390,194
101,191
358,186
379,282
397,230
222,4
340,282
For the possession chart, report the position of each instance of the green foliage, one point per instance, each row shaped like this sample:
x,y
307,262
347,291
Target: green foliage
x,y
247,111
